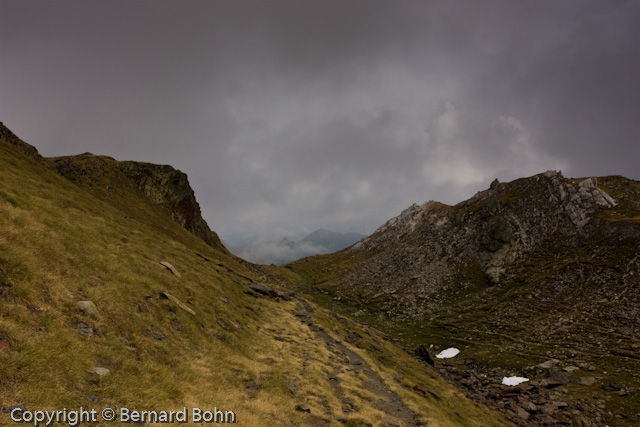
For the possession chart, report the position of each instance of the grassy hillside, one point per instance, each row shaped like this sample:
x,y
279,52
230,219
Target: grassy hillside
x,y
201,339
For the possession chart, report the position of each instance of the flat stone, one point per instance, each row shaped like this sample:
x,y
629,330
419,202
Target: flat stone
x,y
521,413
548,409
548,364
583,380
170,268
390,421
420,389
178,302
100,371
314,420
84,329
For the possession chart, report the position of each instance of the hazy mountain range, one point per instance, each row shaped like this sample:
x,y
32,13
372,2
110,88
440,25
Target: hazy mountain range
x,y
282,251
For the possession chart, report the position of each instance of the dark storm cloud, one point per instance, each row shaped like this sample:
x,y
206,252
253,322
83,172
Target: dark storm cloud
x,y
336,114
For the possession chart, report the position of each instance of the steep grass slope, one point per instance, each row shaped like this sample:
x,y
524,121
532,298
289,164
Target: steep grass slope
x,y
151,339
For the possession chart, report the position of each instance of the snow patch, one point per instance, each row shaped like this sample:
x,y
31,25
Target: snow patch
x,y
514,380
448,353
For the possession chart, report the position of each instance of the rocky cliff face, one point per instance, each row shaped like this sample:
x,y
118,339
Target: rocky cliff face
x,y
162,185
12,139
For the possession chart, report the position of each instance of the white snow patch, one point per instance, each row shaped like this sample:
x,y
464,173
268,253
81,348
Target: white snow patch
x,y
513,380
448,353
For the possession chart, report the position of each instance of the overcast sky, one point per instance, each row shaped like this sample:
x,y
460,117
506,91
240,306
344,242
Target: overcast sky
x,y
295,115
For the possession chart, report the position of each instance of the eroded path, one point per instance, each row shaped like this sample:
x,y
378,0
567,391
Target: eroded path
x,y
397,413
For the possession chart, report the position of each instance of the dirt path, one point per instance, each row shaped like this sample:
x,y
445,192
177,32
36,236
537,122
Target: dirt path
x,y
388,402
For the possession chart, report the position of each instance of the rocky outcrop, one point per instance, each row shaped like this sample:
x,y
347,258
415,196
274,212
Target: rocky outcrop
x,y
162,185
12,139
429,249
578,201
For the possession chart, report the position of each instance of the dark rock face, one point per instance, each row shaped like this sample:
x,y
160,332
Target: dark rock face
x,y
423,354
169,187
25,148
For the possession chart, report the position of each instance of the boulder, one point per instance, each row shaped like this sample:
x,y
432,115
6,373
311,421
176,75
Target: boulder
x,y
303,408
583,380
548,364
556,380
100,371
89,308
271,293
423,354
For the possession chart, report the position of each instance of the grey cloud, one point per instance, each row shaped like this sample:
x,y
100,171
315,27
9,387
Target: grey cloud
x,y
335,114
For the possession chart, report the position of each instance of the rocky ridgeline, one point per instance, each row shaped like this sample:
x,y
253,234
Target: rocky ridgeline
x,y
160,184
429,248
26,149
169,187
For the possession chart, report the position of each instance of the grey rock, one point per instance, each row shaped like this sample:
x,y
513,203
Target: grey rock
x,y
84,329
548,364
179,303
583,380
89,308
521,413
100,371
170,268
